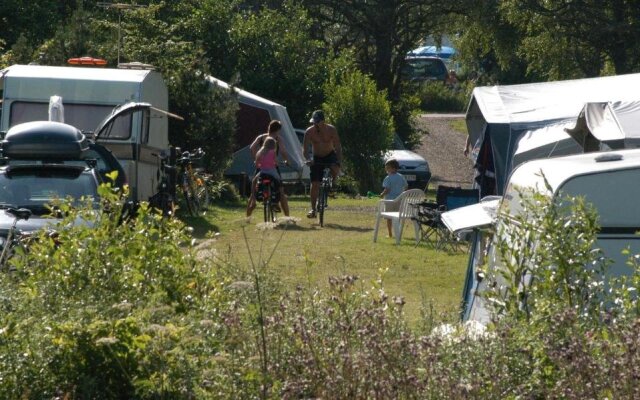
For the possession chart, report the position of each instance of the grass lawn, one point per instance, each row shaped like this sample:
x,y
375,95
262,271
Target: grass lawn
x,y
459,125
308,254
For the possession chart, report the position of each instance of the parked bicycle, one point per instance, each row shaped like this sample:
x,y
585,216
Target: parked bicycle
x,y
268,192
192,183
164,199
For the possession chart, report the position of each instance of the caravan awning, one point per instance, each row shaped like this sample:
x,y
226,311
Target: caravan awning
x,y
498,115
476,216
549,141
611,123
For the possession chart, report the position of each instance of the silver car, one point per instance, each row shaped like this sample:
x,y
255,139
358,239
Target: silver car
x,y
413,166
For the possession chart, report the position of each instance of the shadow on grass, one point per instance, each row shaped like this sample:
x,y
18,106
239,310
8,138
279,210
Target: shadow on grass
x,y
201,226
346,228
293,227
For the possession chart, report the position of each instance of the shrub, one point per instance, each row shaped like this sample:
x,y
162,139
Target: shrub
x,y
436,97
362,116
403,111
82,316
347,185
108,309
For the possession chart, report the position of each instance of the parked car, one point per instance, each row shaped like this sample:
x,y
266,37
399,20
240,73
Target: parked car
x,y
413,166
425,68
41,134
42,162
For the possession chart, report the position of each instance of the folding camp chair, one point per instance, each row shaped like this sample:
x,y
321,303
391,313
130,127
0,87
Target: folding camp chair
x,y
428,215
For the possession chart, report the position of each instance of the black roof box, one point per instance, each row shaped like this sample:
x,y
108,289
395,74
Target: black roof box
x,y
44,139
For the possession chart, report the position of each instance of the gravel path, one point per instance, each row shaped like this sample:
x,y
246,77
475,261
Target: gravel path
x,y
442,146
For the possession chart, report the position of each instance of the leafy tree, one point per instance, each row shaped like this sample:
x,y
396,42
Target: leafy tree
x,y
276,58
209,114
592,31
381,31
21,53
488,44
35,20
516,41
362,116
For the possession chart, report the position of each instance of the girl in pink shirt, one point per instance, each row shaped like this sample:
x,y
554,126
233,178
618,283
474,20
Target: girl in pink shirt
x,y
266,158
266,164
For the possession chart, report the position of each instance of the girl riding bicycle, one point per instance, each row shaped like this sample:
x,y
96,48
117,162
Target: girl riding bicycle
x,y
273,132
266,164
266,158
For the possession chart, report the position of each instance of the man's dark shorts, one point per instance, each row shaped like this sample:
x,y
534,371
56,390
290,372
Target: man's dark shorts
x,y
320,163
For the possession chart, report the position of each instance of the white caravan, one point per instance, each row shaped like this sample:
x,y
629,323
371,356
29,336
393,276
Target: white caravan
x,y
607,180
89,95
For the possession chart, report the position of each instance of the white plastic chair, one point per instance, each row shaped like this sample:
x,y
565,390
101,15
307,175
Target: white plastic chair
x,y
399,210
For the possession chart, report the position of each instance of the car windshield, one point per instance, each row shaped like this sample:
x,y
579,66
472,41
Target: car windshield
x,y
35,187
426,67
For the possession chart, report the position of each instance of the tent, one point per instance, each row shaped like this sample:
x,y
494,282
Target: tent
x,y
253,118
545,142
498,117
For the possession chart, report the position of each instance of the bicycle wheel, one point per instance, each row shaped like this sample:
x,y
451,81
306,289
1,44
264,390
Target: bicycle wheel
x,y
189,196
193,185
202,191
266,205
322,199
166,204
272,213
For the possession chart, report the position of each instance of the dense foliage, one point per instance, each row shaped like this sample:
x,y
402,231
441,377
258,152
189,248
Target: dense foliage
x,y
85,317
362,116
533,40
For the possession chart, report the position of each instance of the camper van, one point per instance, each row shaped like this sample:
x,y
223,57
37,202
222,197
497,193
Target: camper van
x,y
89,95
254,115
606,180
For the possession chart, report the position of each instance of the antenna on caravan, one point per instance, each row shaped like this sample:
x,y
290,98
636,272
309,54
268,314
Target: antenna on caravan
x,y
56,110
119,7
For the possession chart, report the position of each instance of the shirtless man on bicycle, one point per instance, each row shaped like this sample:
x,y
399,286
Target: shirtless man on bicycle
x,y
326,149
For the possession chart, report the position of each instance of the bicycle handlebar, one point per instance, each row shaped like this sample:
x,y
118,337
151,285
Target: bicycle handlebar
x,y
188,157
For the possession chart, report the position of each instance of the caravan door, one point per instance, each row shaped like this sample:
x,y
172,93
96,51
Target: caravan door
x,y
132,147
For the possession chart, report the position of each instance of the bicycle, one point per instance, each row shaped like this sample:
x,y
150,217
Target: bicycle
x,y
164,199
192,184
268,192
323,193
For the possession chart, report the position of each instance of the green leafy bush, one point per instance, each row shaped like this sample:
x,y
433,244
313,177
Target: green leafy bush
x,y
403,112
362,116
114,309
108,309
436,97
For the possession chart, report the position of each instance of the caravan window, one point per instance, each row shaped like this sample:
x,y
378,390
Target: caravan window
x,y
85,117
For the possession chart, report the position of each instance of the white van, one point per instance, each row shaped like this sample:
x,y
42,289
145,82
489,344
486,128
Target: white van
x,y
607,180
89,95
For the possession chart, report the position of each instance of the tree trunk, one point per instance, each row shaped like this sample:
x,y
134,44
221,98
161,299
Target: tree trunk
x,y
384,54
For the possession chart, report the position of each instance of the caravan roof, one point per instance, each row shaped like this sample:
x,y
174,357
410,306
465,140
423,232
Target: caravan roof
x,y
91,74
107,86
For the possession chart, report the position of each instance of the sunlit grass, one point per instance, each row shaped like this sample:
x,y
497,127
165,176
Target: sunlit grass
x,y
458,124
309,254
